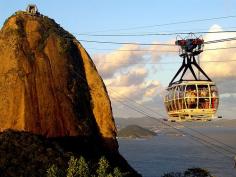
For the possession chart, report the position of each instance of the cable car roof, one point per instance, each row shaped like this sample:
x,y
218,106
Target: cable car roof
x,y
200,82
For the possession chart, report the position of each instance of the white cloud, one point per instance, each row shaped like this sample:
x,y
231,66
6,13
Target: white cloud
x,y
136,92
160,51
224,68
133,76
223,71
124,57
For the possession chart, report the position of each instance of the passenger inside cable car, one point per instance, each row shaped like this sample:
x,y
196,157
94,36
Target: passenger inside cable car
x,y
203,92
214,99
191,96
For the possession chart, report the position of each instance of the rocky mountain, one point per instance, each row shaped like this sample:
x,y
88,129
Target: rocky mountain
x,y
48,82
50,87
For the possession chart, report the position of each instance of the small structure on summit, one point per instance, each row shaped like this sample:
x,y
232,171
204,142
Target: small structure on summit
x,y
32,9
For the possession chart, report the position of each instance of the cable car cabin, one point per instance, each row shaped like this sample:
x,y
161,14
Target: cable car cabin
x,y
192,100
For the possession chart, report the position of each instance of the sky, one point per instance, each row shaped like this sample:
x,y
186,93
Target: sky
x,y
142,76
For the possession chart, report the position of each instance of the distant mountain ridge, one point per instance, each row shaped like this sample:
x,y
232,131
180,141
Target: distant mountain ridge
x,y
147,122
135,131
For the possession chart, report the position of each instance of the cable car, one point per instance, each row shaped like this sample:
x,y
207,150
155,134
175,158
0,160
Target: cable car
x,y
194,99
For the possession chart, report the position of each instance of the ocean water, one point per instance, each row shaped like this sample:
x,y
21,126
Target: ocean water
x,y
167,153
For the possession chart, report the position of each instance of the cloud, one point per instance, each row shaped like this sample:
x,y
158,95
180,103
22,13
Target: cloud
x,y
125,74
134,76
138,92
224,68
123,58
129,56
218,64
160,51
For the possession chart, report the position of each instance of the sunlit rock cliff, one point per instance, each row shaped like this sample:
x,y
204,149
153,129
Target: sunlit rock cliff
x,y
49,84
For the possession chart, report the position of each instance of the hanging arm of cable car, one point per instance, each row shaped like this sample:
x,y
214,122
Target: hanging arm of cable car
x,y
189,48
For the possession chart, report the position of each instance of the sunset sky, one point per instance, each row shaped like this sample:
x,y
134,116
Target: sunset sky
x,y
137,72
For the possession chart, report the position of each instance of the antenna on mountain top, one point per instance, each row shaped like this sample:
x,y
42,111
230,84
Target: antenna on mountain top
x,y
32,9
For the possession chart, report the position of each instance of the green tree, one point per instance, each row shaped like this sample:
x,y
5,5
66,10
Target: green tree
x,y
53,171
109,175
73,168
83,168
117,172
191,172
103,166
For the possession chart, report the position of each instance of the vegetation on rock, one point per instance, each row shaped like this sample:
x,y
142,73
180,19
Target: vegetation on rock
x,y
191,172
29,155
80,168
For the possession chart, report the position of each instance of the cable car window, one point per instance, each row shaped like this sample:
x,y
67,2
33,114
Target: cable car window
x,y
181,96
170,99
214,97
173,99
181,91
191,96
180,102
172,93
177,92
214,92
167,105
203,91
203,103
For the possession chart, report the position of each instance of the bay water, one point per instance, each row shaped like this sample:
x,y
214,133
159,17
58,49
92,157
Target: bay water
x,y
165,153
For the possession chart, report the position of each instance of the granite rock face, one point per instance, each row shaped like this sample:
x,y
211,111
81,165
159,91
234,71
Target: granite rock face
x,y
48,83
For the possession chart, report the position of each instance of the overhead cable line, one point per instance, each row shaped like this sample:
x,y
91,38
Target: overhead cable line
x,y
163,63
220,40
156,34
154,44
161,51
167,24
132,50
220,48
132,43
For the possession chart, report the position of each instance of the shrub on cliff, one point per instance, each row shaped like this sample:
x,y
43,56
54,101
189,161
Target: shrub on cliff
x,y
191,172
80,168
29,155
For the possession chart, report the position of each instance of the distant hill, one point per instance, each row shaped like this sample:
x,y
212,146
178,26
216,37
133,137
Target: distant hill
x,y
140,121
149,123
135,131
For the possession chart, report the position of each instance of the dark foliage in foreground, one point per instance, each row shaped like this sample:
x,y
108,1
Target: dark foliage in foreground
x,y
29,155
191,172
80,168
